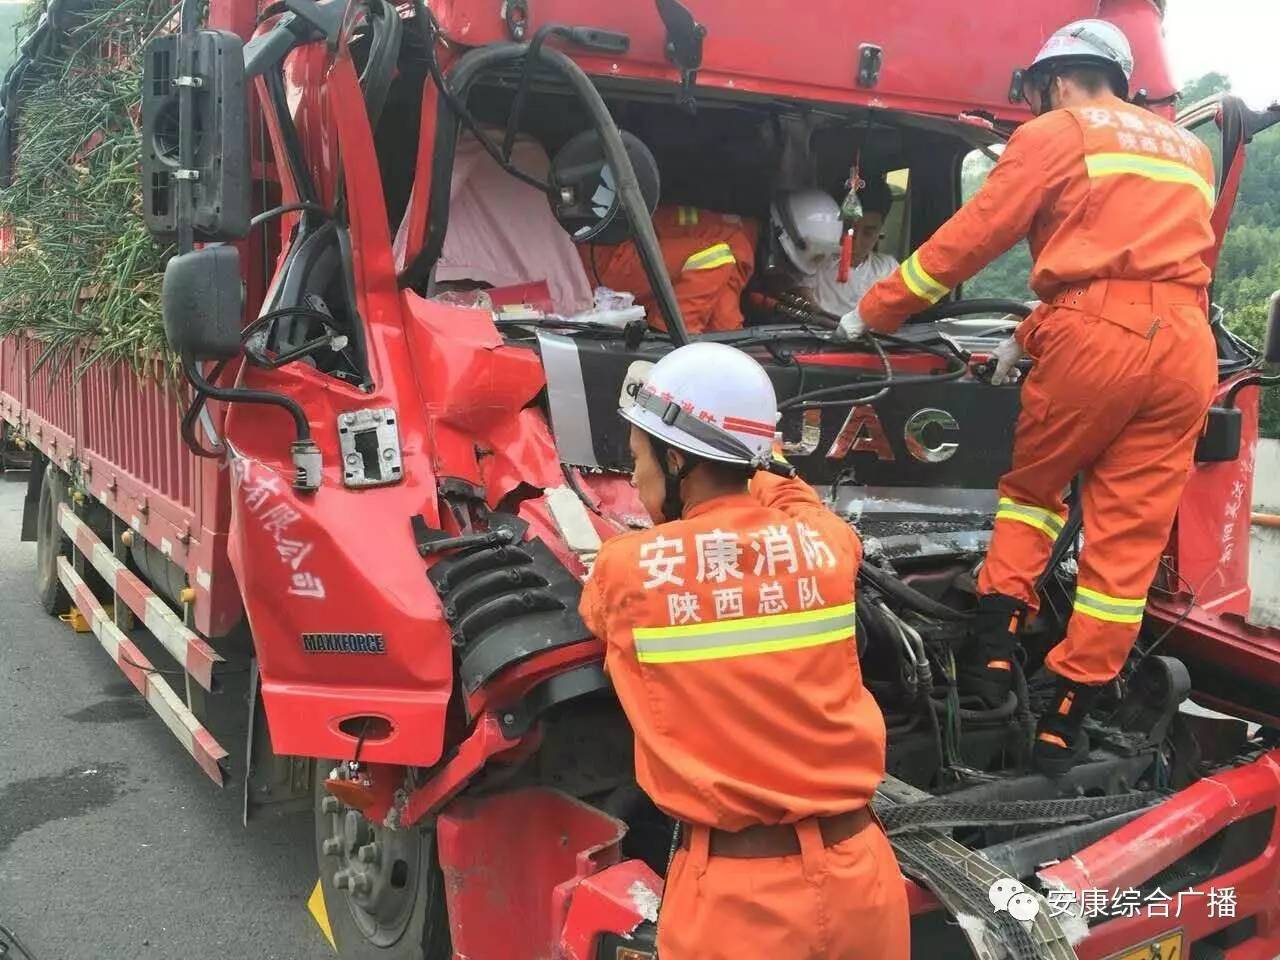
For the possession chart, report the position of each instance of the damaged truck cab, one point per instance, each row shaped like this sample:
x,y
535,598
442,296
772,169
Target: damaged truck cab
x,y
403,411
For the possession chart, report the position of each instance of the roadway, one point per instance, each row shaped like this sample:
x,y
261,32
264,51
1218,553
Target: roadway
x,y
113,844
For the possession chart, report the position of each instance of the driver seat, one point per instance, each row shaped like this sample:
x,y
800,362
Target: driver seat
x,y
502,232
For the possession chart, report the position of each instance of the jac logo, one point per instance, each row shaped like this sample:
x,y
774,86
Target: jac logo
x,y
925,435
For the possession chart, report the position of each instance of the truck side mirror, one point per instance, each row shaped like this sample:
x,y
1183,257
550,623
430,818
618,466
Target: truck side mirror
x,y
220,176
1271,350
203,303
586,200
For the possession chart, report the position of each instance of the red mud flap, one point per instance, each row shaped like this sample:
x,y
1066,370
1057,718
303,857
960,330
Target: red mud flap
x,y
534,873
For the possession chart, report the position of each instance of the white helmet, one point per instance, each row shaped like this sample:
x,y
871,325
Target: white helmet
x,y
808,228
710,400
1088,43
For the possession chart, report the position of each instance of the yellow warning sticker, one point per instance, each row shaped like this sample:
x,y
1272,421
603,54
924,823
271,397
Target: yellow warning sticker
x,y
315,906
1165,947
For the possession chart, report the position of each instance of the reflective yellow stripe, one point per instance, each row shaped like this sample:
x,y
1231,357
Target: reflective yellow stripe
x,y
687,216
744,623
718,255
1102,606
725,651
919,281
722,639
1153,168
1046,521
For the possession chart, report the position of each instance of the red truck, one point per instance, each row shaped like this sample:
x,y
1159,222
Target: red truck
x,y
397,453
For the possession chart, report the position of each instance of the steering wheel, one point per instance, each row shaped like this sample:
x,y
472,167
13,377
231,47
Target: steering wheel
x,y
955,309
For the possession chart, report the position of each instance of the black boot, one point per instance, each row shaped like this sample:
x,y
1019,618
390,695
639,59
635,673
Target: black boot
x,y
987,672
1060,742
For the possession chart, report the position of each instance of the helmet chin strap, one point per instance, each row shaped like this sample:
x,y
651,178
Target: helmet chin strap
x,y
1045,85
672,501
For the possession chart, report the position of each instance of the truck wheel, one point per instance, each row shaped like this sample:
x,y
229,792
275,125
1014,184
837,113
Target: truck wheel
x,y
51,543
383,889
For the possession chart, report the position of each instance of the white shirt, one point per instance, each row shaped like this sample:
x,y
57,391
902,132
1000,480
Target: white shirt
x,y
839,298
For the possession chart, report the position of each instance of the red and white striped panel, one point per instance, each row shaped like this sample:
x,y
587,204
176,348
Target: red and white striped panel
x,y
181,722
195,655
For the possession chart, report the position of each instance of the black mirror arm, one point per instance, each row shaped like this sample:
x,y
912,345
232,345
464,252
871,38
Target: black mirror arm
x,y
522,91
1255,381
591,39
684,47
240,395
307,461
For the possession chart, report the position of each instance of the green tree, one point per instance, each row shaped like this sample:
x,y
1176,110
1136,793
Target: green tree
x,y
1205,86
1009,275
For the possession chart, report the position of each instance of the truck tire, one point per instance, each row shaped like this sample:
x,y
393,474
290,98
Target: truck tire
x,y
51,543
399,912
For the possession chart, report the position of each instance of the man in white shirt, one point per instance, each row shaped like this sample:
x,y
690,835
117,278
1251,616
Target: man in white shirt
x,y
869,265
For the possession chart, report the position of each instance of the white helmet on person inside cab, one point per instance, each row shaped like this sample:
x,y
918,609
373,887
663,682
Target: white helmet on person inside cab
x,y
807,226
1081,43
710,400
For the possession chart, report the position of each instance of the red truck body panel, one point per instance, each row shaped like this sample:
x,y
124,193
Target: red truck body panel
x,y
120,425
1134,853
940,56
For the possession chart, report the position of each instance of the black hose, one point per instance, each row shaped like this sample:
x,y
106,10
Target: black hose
x,y
188,428
526,80
1067,538
576,486
240,395
1025,720
957,369
894,730
795,306
908,596
293,152
627,186
810,401
935,727
1002,712
430,30
863,631
305,205
815,398
964,308
384,53
877,624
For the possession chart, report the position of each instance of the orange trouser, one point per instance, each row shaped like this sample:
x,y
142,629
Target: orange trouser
x,y
843,902
1120,401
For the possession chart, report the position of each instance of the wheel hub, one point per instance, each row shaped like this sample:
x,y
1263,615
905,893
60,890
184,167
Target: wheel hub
x,y
375,868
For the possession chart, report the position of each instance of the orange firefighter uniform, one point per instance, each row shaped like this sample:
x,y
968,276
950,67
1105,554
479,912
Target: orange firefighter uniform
x,y
710,257
1115,203
730,641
